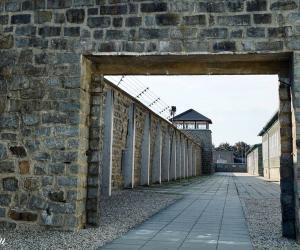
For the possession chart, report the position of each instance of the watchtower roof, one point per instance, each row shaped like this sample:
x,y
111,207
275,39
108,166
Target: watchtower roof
x,y
191,115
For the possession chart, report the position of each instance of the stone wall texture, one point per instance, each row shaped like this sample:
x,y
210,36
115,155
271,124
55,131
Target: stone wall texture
x,y
230,167
45,92
204,138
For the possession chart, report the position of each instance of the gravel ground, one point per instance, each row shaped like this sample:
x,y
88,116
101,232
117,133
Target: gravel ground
x,y
122,211
264,222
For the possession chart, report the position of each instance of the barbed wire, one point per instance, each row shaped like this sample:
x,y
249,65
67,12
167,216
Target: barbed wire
x,y
143,93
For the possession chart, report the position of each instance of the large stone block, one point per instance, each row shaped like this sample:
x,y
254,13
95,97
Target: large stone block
x,y
10,184
6,41
99,22
75,15
21,19
154,7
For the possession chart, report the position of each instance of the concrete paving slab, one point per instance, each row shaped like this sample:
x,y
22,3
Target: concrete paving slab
x,y
210,216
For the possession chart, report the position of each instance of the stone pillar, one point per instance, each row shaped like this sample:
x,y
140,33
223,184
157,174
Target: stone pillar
x,y
173,157
145,154
166,154
107,144
128,157
183,158
292,171
156,168
178,158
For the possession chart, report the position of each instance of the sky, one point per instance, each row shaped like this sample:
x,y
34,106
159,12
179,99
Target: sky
x,y
239,106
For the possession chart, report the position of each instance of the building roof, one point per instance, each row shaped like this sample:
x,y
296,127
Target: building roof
x,y
269,124
191,115
253,147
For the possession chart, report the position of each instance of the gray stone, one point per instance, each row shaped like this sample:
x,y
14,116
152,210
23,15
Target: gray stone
x,y
113,9
224,46
256,32
37,203
49,31
6,41
3,152
147,33
42,17
167,19
58,196
57,169
4,19
58,4
18,151
257,5
2,212
27,30
239,20
5,199
67,181
10,184
30,119
98,22
72,31
262,18
194,20
284,5
21,19
133,21
154,7
12,6
7,167
75,15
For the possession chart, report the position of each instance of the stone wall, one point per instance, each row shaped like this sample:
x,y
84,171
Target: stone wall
x,y
230,167
122,102
44,104
204,138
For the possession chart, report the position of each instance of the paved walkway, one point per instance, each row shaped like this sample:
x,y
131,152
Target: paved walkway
x,y
210,216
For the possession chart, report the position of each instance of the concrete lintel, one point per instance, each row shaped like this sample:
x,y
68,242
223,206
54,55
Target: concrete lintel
x,y
128,162
166,153
156,168
107,144
145,154
173,157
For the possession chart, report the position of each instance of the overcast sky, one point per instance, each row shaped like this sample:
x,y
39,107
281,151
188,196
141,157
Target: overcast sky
x,y
239,106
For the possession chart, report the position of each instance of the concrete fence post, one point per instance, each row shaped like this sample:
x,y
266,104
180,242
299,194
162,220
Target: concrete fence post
x,y
145,154
183,156
156,168
128,161
194,162
166,154
107,144
187,159
190,160
178,157
173,157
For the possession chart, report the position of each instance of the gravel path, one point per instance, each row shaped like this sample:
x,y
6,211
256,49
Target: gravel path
x,y
264,223
122,211
261,203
